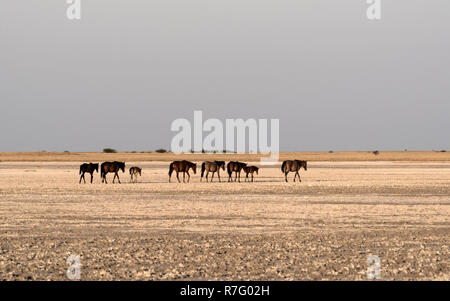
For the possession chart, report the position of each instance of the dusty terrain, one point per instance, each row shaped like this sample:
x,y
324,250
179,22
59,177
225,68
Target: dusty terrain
x,y
322,228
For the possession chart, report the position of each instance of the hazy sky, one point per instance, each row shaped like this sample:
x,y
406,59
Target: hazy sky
x,y
119,76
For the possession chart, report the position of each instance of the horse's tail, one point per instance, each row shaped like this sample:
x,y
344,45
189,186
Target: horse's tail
x,y
229,169
283,165
102,170
203,169
256,170
170,169
80,168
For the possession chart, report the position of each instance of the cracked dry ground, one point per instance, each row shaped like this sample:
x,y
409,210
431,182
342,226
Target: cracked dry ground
x,y
323,228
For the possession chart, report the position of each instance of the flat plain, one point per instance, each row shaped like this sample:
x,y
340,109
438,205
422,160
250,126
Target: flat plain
x,y
349,205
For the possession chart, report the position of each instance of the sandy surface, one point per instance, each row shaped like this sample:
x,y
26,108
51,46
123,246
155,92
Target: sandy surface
x,y
322,228
330,156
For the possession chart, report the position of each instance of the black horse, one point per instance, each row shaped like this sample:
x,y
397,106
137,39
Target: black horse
x,y
234,166
88,167
111,167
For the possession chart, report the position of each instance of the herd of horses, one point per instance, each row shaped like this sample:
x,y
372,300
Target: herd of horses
x,y
184,166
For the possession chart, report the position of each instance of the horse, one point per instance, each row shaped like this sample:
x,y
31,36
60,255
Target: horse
x,y
90,168
234,166
182,166
213,167
251,170
134,172
293,165
111,167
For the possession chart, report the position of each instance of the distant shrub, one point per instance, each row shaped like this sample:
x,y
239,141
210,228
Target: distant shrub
x,y
109,150
66,151
161,151
376,153
331,152
443,151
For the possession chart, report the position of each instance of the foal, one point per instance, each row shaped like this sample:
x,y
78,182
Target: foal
x,y
251,170
134,172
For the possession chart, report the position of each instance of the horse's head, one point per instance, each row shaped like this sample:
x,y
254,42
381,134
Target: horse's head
x,y
221,164
95,166
305,163
122,166
194,168
256,170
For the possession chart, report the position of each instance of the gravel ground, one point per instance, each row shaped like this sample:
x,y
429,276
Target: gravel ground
x,y
323,228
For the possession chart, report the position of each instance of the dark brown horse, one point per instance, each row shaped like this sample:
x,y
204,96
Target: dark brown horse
x,y
294,166
250,170
234,166
212,166
182,166
134,172
89,168
111,167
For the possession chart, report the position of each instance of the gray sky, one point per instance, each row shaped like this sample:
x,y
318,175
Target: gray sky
x,y
122,74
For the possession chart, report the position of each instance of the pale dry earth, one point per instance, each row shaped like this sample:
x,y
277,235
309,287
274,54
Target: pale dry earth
x,y
322,228
146,156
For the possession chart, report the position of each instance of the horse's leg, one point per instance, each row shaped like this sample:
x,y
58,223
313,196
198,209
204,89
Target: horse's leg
x,y
299,177
239,176
285,176
92,177
189,176
207,173
80,178
218,175
212,176
104,176
252,177
116,175
178,177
